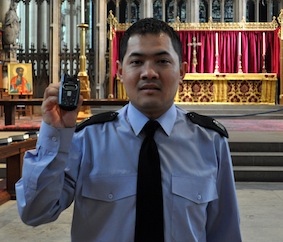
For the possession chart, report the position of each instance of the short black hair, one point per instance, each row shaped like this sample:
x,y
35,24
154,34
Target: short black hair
x,y
150,26
19,69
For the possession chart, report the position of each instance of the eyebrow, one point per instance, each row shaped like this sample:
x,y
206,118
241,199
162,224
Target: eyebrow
x,y
159,53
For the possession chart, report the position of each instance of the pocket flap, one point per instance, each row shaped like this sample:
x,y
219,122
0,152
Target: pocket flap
x,y
109,188
198,190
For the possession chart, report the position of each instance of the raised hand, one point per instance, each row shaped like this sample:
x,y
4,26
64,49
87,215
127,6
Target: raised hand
x,y
52,114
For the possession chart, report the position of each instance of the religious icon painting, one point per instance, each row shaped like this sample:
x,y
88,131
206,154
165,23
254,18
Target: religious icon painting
x,y
20,79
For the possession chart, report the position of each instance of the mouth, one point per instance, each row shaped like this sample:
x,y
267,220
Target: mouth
x,y
150,87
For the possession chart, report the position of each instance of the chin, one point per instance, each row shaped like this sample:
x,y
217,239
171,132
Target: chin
x,y
152,105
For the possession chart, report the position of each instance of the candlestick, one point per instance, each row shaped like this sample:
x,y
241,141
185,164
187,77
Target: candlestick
x,y
216,44
82,11
85,111
263,44
240,43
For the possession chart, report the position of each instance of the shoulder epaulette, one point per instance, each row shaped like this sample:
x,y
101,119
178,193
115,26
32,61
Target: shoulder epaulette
x,y
97,119
208,122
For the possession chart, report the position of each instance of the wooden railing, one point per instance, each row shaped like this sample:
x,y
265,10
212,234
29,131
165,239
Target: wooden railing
x,y
10,105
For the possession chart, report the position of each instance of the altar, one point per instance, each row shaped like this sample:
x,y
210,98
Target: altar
x,y
232,63
231,88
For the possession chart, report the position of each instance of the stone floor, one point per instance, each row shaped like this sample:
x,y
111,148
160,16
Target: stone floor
x,y
261,209
261,204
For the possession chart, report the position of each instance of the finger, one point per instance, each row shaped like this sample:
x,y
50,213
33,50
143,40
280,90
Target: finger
x,y
52,90
49,103
81,99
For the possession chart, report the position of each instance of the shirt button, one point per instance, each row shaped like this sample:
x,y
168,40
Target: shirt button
x,y
54,139
110,196
199,197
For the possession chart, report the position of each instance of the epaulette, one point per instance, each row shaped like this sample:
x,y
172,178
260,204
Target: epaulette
x,y
208,122
97,119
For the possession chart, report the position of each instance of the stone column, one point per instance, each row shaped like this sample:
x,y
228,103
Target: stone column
x,y
244,9
257,11
194,11
148,11
55,41
100,68
222,10
117,13
45,20
43,13
163,9
175,10
239,6
269,4
209,9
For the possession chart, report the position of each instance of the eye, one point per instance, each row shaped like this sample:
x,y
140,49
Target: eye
x,y
136,62
164,61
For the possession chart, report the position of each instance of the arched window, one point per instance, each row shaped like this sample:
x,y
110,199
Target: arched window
x,y
250,17
123,6
216,14
169,13
157,9
134,12
228,11
263,11
181,10
203,11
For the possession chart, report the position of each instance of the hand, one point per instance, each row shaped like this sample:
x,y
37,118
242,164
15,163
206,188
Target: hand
x,y
52,114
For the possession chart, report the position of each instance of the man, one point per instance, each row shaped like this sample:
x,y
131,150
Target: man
x,y
97,165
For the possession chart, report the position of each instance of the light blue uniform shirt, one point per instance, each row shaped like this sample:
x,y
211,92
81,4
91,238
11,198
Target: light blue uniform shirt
x,y
97,168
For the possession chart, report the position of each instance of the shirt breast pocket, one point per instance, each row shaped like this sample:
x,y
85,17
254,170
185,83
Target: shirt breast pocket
x,y
109,188
191,196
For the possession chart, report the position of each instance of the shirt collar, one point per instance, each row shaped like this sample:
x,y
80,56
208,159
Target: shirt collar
x,y
137,119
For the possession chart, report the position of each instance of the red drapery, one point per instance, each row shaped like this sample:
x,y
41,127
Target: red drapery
x,y
251,48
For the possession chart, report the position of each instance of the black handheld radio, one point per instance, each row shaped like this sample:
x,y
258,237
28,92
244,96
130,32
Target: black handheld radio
x,y
69,92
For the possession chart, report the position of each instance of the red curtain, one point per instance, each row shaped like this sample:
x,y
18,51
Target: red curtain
x,y
229,45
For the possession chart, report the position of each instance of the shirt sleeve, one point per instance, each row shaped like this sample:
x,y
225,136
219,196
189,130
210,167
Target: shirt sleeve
x,y
223,222
46,188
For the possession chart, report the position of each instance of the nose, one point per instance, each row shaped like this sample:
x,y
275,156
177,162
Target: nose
x,y
149,72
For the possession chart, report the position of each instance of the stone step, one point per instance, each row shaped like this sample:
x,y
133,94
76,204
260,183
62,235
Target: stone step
x,y
258,173
243,111
257,158
257,161
256,146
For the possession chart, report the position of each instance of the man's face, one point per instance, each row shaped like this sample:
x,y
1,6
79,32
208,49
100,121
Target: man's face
x,y
20,72
151,73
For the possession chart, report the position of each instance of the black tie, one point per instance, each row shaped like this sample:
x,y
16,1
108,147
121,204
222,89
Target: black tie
x,y
149,208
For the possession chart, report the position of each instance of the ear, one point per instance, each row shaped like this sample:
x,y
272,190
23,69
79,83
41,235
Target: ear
x,y
183,71
119,70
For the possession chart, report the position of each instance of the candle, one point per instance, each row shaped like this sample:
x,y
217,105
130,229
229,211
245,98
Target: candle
x,y
240,43
263,45
216,44
83,11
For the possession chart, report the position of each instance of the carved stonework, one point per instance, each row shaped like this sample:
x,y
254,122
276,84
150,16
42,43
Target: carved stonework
x,y
11,26
10,53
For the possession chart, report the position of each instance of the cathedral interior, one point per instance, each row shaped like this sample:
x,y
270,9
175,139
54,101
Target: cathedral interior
x,y
234,53
50,36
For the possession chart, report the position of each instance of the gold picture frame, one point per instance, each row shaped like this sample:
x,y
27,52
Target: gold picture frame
x,y
20,79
